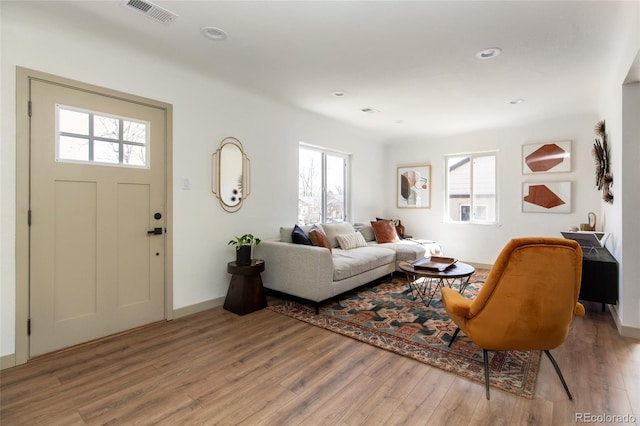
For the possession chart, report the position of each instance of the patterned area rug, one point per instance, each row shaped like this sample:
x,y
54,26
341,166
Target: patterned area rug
x,y
385,314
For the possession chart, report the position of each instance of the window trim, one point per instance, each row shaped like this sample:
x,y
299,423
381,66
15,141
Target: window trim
x,y
472,221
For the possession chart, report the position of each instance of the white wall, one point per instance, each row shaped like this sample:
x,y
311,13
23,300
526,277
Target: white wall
x,y
205,111
629,198
482,243
621,107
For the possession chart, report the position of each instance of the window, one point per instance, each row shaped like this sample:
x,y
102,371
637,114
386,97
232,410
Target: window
x,y
92,137
322,186
471,188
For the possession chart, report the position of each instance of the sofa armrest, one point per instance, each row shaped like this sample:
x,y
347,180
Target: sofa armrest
x,y
296,269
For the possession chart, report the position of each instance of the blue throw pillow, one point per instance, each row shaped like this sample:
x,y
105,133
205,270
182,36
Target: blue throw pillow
x,y
299,237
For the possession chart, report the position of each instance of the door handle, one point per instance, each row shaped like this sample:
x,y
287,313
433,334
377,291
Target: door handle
x,y
155,231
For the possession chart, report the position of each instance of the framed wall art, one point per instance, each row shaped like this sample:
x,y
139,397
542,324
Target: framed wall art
x,y
549,157
414,187
546,197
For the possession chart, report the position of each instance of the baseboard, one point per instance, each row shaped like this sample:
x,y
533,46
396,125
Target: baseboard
x,y
7,361
198,307
623,330
626,331
480,265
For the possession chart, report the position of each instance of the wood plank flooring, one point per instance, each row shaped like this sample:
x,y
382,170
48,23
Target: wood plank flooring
x,y
264,368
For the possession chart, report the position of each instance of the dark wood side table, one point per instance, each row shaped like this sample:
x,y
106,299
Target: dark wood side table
x,y
246,293
599,276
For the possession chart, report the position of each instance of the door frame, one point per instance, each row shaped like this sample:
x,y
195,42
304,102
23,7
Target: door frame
x,y
23,184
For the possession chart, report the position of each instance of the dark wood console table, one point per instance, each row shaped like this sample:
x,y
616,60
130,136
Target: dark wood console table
x,y
599,276
246,293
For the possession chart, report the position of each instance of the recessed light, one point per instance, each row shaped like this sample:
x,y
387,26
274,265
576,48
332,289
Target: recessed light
x,y
213,33
516,101
339,94
489,53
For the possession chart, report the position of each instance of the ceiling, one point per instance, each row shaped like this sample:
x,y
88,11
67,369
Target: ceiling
x,y
413,62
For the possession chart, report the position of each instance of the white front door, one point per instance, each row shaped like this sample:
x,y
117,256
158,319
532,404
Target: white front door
x,y
97,204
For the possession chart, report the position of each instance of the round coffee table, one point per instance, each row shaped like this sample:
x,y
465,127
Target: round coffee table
x,y
426,282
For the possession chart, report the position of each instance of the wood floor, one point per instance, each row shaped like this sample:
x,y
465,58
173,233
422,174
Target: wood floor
x,y
215,367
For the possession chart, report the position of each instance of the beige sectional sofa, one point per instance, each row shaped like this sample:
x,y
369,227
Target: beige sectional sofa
x,y
317,273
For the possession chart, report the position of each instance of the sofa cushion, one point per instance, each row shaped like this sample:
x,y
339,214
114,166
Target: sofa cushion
x,y
318,238
385,231
366,230
285,232
409,250
338,228
298,236
351,241
349,263
405,250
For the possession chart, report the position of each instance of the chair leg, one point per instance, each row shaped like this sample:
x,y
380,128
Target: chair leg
x,y
555,365
455,334
485,354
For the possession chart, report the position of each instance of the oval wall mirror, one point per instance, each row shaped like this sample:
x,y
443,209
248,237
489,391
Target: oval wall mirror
x,y
230,174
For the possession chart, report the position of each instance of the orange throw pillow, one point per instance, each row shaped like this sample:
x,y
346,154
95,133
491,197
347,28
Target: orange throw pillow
x,y
318,238
385,231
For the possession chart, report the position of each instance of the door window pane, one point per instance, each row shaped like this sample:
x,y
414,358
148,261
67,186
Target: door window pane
x,y
106,152
105,127
72,148
134,155
70,121
134,132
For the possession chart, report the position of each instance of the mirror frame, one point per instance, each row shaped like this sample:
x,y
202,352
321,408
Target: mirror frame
x,y
217,169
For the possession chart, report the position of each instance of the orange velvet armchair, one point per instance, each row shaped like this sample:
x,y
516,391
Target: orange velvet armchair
x,y
527,301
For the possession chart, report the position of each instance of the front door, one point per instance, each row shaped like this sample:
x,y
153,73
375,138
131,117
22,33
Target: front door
x,y
97,214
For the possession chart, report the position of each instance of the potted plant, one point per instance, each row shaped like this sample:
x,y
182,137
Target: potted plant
x,y
243,248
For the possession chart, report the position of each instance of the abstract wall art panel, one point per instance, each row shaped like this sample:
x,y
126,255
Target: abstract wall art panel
x,y
414,187
546,197
550,157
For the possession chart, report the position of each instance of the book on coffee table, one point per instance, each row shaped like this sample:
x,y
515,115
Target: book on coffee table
x,y
436,263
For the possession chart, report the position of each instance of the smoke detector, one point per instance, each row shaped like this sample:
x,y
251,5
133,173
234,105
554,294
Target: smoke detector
x,y
151,10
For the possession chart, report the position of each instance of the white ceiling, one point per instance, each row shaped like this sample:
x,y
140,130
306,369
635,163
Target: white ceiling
x,y
412,61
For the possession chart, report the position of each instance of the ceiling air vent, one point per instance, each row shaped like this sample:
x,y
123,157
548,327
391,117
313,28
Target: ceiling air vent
x,y
151,10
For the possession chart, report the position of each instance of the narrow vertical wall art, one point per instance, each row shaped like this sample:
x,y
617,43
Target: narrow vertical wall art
x,y
604,177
